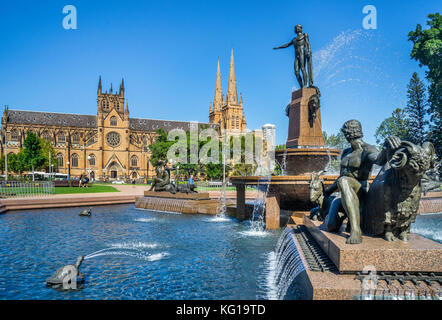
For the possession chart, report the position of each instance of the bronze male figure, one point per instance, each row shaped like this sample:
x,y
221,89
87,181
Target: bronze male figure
x,y
356,164
303,56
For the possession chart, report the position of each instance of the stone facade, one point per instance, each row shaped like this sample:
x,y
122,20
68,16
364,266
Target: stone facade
x,y
106,146
227,113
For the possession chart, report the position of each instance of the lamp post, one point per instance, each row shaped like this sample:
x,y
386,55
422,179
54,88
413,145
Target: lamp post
x,y
6,156
69,170
224,161
177,175
89,165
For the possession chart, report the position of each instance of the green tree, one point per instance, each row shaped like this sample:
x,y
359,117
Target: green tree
x,y
214,171
159,147
427,49
16,163
337,141
396,125
46,148
32,155
416,111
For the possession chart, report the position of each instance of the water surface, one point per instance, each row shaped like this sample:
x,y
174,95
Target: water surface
x,y
144,255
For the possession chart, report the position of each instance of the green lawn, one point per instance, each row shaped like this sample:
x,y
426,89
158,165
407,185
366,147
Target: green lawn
x,y
90,189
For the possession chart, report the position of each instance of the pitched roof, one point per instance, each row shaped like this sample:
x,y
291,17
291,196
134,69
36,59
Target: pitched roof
x,y
89,121
167,125
51,118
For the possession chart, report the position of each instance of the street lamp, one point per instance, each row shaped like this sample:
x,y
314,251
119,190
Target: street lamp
x,y
6,155
69,170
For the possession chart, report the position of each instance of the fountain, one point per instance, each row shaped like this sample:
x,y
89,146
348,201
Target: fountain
x,y
166,197
305,153
344,257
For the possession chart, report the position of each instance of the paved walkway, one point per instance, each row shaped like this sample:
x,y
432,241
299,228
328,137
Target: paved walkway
x,y
127,194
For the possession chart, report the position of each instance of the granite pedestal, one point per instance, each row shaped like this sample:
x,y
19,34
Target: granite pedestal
x,y
420,256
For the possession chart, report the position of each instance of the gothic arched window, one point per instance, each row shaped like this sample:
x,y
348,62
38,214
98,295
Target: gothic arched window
x,y
134,161
47,136
74,161
76,139
14,135
91,160
113,121
61,138
60,160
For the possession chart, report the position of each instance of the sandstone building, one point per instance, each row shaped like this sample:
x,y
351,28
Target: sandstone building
x,y
107,146
227,113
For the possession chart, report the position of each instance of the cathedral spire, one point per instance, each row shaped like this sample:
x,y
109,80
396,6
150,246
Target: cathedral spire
x,y
232,95
218,100
99,85
111,88
122,87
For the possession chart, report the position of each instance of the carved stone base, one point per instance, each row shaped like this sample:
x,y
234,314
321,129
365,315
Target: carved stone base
x,y
419,254
301,131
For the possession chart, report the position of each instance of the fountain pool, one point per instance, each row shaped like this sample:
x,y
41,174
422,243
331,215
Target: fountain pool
x,y
142,254
134,254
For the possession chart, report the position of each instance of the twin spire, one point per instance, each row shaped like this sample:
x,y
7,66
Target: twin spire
x,y
232,94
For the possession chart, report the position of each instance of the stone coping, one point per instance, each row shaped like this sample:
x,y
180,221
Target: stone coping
x,y
419,254
61,202
190,196
309,151
252,180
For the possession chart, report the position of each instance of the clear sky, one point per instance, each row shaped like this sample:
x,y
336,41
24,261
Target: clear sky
x,y
167,52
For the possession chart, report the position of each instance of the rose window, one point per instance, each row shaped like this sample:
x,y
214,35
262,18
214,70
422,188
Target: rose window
x,y
113,139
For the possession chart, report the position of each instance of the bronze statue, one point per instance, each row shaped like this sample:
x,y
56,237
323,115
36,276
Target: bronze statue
x,y
67,277
393,200
390,205
162,180
303,56
318,198
356,164
314,104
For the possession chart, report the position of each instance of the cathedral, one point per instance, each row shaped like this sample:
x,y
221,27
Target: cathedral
x,y
107,146
227,113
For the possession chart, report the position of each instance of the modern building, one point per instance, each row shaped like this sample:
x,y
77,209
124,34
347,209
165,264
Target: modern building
x,y
227,113
269,134
107,146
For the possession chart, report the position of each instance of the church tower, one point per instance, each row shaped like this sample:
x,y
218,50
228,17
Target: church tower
x,y
229,113
108,101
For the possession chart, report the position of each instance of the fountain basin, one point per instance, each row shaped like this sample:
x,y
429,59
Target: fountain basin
x,y
292,191
301,161
191,203
329,269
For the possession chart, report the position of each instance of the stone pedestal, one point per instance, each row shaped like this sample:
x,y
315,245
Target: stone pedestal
x,y
240,202
301,131
418,255
272,214
419,259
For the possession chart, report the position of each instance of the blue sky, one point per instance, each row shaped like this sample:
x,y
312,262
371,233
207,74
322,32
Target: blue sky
x,y
167,52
